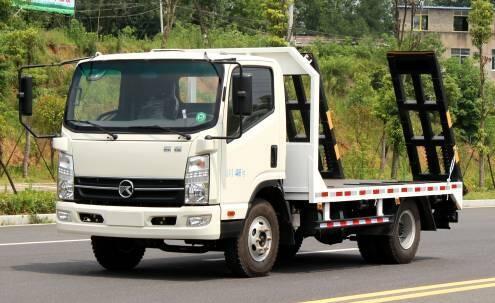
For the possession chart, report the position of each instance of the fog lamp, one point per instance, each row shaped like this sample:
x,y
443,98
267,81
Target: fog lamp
x,y
64,216
197,221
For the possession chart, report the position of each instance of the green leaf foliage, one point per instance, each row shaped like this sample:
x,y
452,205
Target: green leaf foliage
x,y
480,22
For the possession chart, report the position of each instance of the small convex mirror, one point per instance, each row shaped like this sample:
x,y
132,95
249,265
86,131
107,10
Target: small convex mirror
x,y
26,96
242,94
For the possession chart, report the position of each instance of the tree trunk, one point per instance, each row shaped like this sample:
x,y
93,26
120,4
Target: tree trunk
x,y
383,151
396,20
170,7
489,160
202,20
395,160
52,157
481,172
27,152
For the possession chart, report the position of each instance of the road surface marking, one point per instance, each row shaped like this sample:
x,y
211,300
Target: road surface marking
x,y
327,251
416,292
428,293
44,242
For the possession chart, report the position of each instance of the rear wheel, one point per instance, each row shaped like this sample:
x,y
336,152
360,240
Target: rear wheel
x,y
401,246
254,252
117,253
369,247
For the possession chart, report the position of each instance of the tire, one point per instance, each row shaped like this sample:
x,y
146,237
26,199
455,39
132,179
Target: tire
x,y
369,247
402,245
117,254
253,253
287,252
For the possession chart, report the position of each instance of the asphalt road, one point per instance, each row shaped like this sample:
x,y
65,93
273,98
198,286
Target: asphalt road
x,y
39,265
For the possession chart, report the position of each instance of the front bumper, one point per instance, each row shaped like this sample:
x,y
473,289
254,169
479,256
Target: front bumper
x,y
135,222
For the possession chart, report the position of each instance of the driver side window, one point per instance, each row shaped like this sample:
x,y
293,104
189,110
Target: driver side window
x,y
104,87
263,101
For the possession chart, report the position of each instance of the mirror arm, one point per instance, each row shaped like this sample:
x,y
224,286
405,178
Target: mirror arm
x,y
32,132
228,137
21,94
234,62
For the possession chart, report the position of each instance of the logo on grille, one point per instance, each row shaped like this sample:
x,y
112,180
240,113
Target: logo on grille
x,y
126,189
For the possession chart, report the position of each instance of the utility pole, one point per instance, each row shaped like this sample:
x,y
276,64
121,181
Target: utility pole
x,y
291,21
161,16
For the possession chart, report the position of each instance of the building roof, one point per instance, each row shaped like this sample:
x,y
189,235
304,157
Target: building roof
x,y
440,7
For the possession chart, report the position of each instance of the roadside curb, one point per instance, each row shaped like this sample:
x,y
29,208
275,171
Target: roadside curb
x,y
478,203
26,219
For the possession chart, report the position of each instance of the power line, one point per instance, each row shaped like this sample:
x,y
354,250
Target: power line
x,y
122,16
109,9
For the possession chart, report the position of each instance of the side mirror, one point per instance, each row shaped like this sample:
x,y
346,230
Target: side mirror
x,y
26,96
242,95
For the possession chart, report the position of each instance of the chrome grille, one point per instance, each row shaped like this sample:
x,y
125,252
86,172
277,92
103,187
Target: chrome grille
x,y
147,192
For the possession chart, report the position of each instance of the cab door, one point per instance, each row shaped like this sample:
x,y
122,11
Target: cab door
x,y
259,155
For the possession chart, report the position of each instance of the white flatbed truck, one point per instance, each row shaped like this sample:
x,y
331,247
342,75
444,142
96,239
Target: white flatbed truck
x,y
203,146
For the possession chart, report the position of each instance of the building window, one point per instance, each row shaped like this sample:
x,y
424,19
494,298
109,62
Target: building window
x,y
461,21
460,53
420,22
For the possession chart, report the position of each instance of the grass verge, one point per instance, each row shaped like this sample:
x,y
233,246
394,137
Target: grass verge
x,y
480,195
27,202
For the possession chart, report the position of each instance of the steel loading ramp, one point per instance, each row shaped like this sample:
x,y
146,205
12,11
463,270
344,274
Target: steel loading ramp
x,y
432,152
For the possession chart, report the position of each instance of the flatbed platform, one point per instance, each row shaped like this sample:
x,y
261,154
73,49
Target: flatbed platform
x,y
342,190
344,183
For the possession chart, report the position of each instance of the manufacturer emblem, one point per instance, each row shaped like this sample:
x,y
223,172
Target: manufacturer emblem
x,y
126,189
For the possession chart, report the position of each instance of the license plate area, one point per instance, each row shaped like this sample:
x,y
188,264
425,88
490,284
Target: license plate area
x,y
123,218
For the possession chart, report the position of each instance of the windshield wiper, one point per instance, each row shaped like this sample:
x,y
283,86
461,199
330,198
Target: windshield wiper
x,y
166,129
97,126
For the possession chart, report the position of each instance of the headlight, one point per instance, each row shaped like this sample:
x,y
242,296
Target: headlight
x,y
65,185
197,183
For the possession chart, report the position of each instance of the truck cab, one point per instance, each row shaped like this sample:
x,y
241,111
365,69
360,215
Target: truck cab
x,y
198,145
165,165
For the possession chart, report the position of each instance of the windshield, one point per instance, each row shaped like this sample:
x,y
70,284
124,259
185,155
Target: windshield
x,y
130,95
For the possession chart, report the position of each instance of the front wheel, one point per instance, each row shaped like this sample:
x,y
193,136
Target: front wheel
x,y
254,252
117,253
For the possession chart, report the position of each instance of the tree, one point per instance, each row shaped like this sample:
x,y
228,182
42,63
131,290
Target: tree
x,y
169,14
344,17
5,10
21,47
49,114
275,12
480,29
465,106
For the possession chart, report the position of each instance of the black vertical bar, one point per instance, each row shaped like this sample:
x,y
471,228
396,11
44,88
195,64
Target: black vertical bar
x,y
405,121
329,143
301,101
431,151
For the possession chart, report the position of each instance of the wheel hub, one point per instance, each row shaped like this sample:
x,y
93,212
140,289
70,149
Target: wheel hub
x,y
407,229
260,239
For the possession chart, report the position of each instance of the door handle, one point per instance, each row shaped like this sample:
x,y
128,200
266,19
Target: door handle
x,y
273,156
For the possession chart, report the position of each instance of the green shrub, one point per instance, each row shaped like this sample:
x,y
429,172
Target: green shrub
x,y
85,41
27,202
